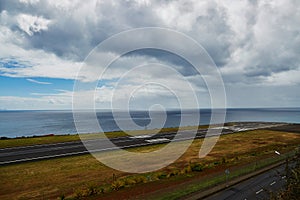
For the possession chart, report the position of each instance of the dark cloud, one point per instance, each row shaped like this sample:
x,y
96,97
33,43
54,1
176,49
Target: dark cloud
x,y
267,70
181,64
252,42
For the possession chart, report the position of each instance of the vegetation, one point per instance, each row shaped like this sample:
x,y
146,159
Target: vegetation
x,y
36,140
83,176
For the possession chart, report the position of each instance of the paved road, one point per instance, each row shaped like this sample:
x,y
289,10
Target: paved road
x,y
38,152
258,187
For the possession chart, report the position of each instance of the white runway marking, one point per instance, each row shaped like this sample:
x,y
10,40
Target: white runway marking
x,y
140,136
70,154
158,140
273,183
259,191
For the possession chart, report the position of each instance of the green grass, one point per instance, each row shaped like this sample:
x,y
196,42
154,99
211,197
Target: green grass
x,y
17,142
216,180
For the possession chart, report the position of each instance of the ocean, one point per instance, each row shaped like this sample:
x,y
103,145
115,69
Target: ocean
x,y
30,123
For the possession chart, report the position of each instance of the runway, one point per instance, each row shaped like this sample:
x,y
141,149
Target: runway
x,y
47,151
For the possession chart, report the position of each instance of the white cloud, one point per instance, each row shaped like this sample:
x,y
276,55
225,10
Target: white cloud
x,y
32,24
29,1
32,62
38,82
267,40
29,103
285,78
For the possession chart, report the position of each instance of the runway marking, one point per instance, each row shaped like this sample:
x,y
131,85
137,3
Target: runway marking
x,y
273,183
42,157
29,151
259,191
39,145
71,153
140,136
158,140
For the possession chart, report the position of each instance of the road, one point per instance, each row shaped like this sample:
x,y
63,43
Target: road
x,y
258,187
47,151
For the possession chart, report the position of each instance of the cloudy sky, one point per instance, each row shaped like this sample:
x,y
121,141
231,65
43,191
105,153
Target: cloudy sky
x,y
255,45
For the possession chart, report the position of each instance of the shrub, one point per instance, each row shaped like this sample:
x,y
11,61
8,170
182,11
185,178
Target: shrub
x,y
196,167
116,185
92,190
186,170
79,194
101,190
224,160
130,181
216,163
253,154
173,173
62,197
162,176
140,179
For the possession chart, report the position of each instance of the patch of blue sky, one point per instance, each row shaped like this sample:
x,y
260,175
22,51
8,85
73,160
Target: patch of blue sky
x,y
107,82
11,86
11,63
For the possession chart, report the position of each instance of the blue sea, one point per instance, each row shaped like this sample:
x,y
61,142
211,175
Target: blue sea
x,y
30,123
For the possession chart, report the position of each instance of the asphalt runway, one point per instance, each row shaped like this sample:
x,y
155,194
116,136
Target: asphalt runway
x,y
47,151
38,152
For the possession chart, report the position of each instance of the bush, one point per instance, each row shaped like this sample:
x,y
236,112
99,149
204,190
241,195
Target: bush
x,y
162,176
92,190
62,197
224,160
174,172
140,179
196,167
79,194
216,163
186,170
130,181
101,190
116,185
253,154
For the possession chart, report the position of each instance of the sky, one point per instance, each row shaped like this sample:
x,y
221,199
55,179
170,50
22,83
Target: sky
x,y
255,45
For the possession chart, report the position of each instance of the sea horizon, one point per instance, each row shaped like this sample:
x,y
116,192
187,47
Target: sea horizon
x,y
172,109
19,123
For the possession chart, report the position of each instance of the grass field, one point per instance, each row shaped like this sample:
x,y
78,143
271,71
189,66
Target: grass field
x,y
81,175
